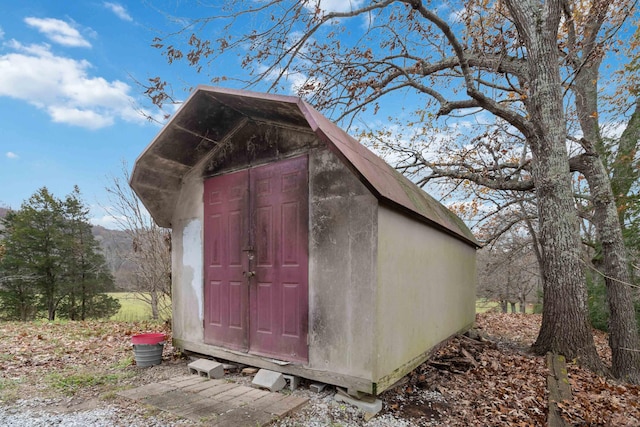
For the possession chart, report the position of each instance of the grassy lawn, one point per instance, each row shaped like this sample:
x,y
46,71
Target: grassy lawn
x,y
134,309
484,305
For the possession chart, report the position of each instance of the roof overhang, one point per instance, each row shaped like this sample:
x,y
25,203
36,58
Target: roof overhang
x,y
211,117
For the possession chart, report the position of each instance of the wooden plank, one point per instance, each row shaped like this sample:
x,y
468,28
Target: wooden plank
x,y
220,388
250,397
178,380
558,390
194,404
207,411
196,388
287,405
231,393
268,400
195,379
169,401
562,376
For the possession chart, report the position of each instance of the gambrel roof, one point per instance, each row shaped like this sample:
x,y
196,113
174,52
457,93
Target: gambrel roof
x,y
212,117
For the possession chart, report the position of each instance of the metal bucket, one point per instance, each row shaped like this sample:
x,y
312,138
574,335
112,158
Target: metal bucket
x,y
148,354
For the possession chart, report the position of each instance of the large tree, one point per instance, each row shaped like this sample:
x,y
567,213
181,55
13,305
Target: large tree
x,y
51,262
532,65
87,278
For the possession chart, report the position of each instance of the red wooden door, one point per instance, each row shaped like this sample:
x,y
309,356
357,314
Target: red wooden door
x,y
279,292
226,294
272,268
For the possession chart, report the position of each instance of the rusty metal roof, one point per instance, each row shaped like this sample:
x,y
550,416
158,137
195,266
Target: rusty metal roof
x,y
211,115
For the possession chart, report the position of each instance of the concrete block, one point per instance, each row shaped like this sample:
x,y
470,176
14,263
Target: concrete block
x,y
317,387
272,381
292,381
206,368
368,404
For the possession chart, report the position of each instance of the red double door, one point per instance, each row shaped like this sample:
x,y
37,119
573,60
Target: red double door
x,y
256,253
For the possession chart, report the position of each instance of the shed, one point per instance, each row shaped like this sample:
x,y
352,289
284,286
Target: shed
x,y
297,249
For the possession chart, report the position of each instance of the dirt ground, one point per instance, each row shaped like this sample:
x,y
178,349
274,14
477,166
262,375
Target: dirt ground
x,y
79,366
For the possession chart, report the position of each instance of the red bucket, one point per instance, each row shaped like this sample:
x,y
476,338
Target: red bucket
x,y
149,339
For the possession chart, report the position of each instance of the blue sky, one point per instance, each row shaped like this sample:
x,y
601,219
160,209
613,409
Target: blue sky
x,y
69,104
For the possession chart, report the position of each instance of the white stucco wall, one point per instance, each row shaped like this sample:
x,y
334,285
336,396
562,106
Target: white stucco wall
x,y
342,273
426,289
187,264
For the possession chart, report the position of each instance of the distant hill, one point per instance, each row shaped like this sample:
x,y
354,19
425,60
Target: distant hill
x,y
116,246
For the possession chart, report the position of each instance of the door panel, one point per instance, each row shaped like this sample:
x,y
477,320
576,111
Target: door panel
x,y
281,241
226,293
256,251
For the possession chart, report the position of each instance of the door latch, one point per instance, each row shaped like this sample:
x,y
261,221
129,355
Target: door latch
x,y
249,274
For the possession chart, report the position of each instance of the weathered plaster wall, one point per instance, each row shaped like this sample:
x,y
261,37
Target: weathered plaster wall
x,y
426,290
187,263
342,273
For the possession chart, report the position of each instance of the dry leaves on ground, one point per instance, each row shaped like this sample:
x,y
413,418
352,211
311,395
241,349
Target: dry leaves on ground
x,y
40,358
505,385
494,381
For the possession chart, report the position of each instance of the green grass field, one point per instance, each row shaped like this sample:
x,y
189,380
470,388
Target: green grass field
x,y
134,309
483,305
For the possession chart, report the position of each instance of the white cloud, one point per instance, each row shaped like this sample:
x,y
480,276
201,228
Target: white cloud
x,y
12,155
119,10
367,21
458,16
334,5
298,84
106,221
58,31
63,88
77,117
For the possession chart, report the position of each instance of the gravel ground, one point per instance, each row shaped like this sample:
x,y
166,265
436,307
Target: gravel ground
x,y
322,410
51,412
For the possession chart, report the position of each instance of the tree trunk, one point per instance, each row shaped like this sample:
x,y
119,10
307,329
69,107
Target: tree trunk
x,y
623,330
523,307
565,327
503,306
513,307
155,314
607,219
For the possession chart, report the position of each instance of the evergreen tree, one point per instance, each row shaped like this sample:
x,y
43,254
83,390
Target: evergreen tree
x,y
17,290
87,277
52,262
